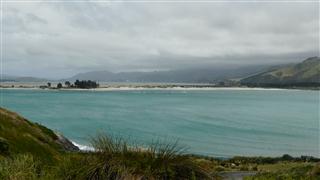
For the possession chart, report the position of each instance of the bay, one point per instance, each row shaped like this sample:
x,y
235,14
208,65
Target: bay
x,y
221,123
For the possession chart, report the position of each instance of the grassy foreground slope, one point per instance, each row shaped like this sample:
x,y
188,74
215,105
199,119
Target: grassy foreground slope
x,y
18,135
306,73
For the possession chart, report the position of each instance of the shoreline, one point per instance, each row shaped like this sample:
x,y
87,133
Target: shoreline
x,y
127,88
87,148
83,148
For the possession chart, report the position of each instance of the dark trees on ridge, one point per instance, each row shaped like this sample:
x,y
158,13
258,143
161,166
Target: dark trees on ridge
x,y
86,84
59,86
67,83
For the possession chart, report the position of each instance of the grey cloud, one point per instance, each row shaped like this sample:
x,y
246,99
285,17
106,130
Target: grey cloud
x,y
31,18
67,38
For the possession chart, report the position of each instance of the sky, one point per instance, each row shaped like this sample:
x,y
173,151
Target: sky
x,y
59,39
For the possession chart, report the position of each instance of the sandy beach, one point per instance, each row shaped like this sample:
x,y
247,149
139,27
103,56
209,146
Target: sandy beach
x,y
150,88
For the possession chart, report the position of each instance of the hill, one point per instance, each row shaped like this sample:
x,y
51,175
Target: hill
x,y
306,73
18,135
9,78
191,75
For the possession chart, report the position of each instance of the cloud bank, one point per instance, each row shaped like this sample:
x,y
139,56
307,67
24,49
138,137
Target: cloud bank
x,y
57,40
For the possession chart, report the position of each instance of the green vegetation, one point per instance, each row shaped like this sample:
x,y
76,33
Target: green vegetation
x,y
30,151
305,74
67,83
115,159
77,84
18,135
59,86
20,167
286,170
86,84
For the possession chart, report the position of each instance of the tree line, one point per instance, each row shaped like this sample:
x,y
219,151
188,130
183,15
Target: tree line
x,y
83,84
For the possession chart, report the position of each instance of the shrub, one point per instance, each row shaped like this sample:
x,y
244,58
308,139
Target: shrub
x,y
59,85
4,147
255,168
244,168
315,172
219,169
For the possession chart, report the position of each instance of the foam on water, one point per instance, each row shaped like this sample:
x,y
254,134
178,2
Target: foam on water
x,y
83,147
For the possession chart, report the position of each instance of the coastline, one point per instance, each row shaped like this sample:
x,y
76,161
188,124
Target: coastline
x,y
83,148
128,88
135,86
87,148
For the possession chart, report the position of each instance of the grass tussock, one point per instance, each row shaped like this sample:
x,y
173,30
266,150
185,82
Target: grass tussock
x,y
21,167
116,159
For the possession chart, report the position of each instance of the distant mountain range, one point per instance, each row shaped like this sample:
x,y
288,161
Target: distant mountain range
x,y
195,75
306,73
8,78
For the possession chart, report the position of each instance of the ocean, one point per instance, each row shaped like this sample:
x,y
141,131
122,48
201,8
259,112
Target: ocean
x,y
220,123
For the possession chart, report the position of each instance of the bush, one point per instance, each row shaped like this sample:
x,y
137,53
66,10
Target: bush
x,y
255,168
219,169
4,147
59,85
315,172
244,168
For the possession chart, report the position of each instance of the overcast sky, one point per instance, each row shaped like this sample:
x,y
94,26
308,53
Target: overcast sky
x,y
57,40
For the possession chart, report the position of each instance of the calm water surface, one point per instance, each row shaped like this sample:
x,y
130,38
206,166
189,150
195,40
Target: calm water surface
x,y
209,122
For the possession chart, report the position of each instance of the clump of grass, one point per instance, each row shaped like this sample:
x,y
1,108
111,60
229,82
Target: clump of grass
x,y
113,159
116,159
71,166
20,167
315,172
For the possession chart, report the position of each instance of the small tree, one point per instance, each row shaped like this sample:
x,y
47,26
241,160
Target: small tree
x,y
59,86
67,83
49,84
77,83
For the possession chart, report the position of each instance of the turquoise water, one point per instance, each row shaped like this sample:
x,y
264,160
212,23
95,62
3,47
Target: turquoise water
x,y
209,122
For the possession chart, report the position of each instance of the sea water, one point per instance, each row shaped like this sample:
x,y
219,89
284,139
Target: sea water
x,y
220,123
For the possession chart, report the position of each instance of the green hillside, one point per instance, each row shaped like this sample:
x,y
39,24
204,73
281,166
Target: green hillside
x,y
306,73
18,135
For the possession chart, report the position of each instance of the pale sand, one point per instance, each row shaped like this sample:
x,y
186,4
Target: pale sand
x,y
152,88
